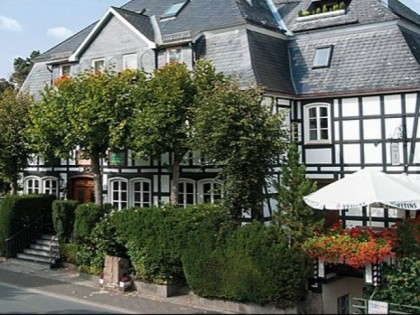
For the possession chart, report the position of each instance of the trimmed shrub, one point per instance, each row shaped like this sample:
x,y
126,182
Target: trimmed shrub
x,y
87,215
18,211
253,264
63,216
156,237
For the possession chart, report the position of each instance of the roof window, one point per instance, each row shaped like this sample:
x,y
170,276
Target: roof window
x,y
174,10
322,57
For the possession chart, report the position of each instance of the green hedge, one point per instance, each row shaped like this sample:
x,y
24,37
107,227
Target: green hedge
x,y
63,216
156,237
252,264
87,215
18,211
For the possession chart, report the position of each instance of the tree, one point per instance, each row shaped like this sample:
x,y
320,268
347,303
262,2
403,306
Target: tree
x,y
14,150
163,116
4,84
297,219
234,130
22,67
90,112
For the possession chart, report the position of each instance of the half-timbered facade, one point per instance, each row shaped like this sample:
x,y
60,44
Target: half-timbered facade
x,y
349,75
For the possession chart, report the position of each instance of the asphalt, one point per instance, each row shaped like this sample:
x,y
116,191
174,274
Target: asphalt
x,y
65,282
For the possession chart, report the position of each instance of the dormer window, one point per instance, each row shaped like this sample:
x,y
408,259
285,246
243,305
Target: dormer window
x,y
320,9
174,10
322,56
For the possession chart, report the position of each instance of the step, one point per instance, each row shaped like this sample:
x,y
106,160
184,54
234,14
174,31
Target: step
x,y
37,252
50,237
40,247
46,242
33,258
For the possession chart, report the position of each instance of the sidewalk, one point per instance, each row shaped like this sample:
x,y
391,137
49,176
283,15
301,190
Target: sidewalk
x,y
65,282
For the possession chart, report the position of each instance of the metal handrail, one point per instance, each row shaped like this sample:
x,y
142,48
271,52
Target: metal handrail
x,y
24,237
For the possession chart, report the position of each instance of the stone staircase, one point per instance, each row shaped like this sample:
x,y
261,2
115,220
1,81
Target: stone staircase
x,y
43,250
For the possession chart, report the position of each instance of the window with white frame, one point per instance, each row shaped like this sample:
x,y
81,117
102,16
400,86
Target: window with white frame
x,y
186,193
317,123
209,191
118,192
98,65
50,186
32,185
130,61
174,54
322,56
65,70
141,192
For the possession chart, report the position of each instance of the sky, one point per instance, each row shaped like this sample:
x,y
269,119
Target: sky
x,y
28,25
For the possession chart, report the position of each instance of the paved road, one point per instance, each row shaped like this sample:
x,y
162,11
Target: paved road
x,y
15,300
71,287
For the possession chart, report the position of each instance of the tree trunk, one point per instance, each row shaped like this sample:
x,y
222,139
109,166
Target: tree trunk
x,y
176,172
97,179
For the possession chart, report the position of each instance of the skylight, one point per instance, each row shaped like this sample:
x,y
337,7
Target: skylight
x,y
322,56
173,10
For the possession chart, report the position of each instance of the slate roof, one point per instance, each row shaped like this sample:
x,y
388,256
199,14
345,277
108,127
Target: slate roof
x,y
378,60
270,62
358,11
141,22
374,60
65,48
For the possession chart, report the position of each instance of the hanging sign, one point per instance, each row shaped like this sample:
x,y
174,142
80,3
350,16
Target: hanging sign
x,y
395,153
117,158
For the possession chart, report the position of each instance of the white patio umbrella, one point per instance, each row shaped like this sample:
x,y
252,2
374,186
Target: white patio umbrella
x,y
365,188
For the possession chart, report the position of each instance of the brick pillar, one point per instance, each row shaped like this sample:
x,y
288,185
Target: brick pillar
x,y
115,268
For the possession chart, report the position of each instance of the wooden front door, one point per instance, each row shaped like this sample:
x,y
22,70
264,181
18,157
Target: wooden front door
x,y
82,189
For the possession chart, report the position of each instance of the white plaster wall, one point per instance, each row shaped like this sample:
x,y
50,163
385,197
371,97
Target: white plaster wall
x,y
333,290
392,104
350,107
315,156
371,105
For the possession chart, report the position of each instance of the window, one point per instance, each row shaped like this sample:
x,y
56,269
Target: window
x,y
32,185
174,55
141,189
322,57
209,191
174,10
36,185
50,186
118,193
98,65
130,61
317,123
65,70
186,193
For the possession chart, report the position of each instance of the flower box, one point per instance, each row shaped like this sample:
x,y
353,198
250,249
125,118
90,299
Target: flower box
x,y
355,247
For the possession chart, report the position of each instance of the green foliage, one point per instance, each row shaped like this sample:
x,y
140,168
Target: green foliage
x,y
324,8
16,212
297,220
68,252
4,84
232,128
87,215
102,241
400,283
22,67
408,241
318,10
90,111
156,237
14,150
250,264
162,119
63,215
